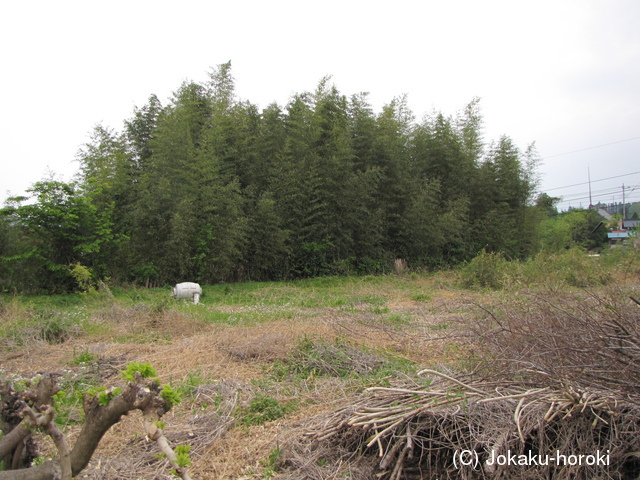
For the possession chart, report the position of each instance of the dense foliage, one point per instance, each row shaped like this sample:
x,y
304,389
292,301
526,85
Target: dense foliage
x,y
208,188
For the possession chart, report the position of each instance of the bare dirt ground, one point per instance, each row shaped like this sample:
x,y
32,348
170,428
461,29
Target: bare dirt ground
x,y
232,363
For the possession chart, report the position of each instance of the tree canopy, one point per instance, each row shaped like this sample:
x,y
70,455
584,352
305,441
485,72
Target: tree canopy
x,y
209,188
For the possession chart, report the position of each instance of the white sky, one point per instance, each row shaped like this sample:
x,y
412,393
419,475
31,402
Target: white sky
x,y
562,73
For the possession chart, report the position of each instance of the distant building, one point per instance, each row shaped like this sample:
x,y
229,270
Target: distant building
x,y
630,224
604,214
623,236
617,238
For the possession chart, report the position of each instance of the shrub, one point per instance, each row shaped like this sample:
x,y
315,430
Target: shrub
x,y
573,268
336,359
83,277
83,357
623,261
487,270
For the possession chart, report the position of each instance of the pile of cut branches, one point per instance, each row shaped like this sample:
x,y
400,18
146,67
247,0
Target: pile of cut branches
x,y
456,428
555,395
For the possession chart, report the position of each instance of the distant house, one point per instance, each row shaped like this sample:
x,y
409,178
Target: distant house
x,y
617,238
630,224
604,214
621,237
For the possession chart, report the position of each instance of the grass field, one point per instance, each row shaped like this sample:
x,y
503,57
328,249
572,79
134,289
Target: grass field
x,y
254,361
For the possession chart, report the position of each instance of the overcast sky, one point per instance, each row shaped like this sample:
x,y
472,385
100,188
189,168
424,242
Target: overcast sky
x,y
564,74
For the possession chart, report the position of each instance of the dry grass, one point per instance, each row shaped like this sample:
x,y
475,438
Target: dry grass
x,y
233,364
430,324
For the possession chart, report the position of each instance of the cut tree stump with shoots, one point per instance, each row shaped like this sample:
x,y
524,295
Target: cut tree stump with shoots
x,y
25,411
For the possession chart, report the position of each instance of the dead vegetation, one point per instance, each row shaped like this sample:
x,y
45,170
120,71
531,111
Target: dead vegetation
x,y
197,427
509,372
555,394
453,429
592,339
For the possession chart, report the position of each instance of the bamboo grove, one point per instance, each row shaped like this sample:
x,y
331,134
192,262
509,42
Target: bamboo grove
x,y
209,188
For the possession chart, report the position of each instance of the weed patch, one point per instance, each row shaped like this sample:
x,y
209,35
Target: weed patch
x,y
573,268
397,319
216,316
338,359
190,384
83,357
262,409
421,297
438,326
379,310
47,325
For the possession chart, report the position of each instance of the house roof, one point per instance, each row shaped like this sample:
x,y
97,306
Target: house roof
x,y
604,214
630,223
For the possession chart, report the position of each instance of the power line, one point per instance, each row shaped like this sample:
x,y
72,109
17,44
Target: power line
x,y
631,198
599,193
632,195
592,181
580,195
600,190
586,197
591,148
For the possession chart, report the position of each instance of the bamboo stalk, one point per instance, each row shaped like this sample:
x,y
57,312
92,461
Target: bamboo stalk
x,y
516,395
451,379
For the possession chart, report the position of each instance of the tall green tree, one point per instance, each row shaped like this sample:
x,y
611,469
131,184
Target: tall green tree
x,y
190,216
363,191
501,222
297,188
209,188
165,210
108,180
392,157
267,254
58,228
139,131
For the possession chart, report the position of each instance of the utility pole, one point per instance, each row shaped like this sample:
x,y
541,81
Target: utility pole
x,y
624,205
589,176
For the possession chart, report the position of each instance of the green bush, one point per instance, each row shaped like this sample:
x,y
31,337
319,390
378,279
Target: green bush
x,y
83,277
56,326
83,357
55,330
622,261
486,270
573,268
339,359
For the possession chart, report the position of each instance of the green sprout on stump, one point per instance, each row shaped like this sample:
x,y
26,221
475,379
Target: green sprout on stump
x,y
144,369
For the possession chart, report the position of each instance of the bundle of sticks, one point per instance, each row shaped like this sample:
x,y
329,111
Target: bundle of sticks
x,y
455,428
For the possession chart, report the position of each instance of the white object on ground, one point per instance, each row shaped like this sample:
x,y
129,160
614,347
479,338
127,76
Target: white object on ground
x,y
187,290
